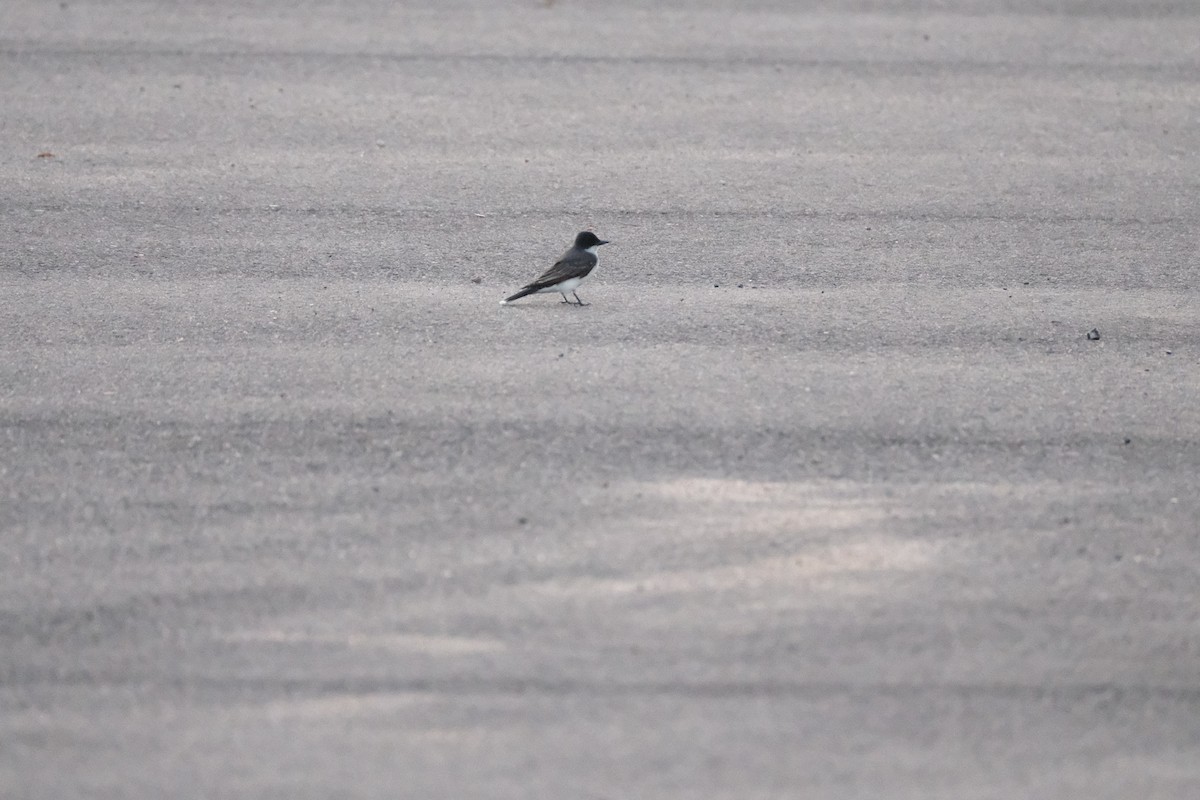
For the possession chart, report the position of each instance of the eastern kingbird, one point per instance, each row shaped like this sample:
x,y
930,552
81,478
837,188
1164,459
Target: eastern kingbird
x,y
568,273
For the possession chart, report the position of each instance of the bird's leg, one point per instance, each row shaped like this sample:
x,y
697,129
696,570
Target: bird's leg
x,y
580,302
565,300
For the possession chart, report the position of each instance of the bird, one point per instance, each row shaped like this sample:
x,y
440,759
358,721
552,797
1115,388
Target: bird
x,y
567,273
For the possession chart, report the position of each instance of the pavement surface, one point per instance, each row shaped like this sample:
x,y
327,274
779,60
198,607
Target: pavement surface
x,y
826,494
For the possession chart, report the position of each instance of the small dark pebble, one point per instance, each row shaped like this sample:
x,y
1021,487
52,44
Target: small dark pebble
x,y
716,286
522,520
477,279
1093,335
739,286
1128,440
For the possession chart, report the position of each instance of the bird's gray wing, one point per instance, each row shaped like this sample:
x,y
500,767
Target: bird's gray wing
x,y
572,266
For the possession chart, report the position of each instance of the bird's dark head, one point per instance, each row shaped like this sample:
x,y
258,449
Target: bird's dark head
x,y
587,240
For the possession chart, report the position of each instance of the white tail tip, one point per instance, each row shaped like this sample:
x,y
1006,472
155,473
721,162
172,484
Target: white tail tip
x,y
503,302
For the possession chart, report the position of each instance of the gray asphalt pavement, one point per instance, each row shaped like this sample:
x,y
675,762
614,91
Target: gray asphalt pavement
x,y
826,495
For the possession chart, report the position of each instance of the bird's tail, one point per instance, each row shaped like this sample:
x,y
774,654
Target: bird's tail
x,y
520,294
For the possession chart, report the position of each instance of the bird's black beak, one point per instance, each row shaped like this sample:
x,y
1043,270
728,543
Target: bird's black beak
x,y
601,242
